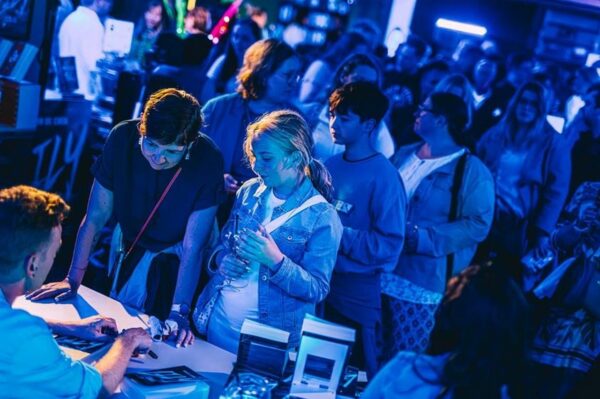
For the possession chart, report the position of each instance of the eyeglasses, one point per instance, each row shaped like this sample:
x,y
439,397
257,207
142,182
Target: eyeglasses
x,y
150,147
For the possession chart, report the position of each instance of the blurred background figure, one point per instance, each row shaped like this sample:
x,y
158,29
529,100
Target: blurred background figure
x,y
147,30
567,343
583,137
197,20
531,170
221,75
81,36
315,84
584,78
467,53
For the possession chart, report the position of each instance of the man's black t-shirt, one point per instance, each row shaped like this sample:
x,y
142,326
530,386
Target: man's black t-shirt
x,y
137,187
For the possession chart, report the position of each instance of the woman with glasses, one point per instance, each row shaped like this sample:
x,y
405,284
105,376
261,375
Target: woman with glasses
x,y
267,82
450,197
163,160
531,166
279,246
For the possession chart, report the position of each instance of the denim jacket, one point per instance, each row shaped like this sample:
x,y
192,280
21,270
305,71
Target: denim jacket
x,y
309,240
429,208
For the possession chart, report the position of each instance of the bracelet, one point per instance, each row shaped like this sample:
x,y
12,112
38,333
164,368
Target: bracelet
x,y
181,308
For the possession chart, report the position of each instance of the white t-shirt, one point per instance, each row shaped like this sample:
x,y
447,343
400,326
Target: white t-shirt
x,y
240,301
415,169
81,36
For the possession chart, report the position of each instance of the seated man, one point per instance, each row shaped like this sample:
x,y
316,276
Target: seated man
x,y
31,363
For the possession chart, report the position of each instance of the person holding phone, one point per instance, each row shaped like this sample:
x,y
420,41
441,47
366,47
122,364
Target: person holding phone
x,y
279,246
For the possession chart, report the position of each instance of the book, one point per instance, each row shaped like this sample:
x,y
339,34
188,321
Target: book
x,y
18,59
262,349
171,382
77,343
11,58
67,74
5,46
322,356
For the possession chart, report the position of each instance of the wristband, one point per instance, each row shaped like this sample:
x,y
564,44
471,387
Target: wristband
x,y
181,308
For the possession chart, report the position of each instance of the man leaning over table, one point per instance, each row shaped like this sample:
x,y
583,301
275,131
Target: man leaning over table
x,y
31,363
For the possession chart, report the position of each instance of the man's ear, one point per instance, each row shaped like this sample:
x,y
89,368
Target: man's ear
x,y
31,265
441,120
369,125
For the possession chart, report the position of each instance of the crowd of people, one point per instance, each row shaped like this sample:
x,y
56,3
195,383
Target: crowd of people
x,y
424,200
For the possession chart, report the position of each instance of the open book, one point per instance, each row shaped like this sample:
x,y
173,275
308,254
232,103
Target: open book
x,y
324,350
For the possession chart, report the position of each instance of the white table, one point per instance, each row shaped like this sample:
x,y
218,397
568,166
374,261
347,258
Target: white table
x,y
202,357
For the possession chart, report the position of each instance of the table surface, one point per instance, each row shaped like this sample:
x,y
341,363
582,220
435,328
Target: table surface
x,y
203,357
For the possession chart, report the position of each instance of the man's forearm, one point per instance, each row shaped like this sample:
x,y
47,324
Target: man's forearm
x,y
62,327
188,275
87,238
113,365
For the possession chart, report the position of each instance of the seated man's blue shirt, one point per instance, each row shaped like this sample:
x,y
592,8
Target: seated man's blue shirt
x,y
33,366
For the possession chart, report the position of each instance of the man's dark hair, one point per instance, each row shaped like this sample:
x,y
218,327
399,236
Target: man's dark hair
x,y
365,99
454,109
171,116
27,216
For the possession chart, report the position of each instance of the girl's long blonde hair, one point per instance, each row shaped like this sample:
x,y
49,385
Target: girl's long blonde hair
x,y
291,133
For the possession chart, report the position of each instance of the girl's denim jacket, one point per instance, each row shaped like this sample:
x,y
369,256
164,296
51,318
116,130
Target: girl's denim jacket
x,y
309,240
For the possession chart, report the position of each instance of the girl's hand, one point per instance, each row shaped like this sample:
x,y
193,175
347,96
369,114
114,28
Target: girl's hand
x,y
259,247
232,267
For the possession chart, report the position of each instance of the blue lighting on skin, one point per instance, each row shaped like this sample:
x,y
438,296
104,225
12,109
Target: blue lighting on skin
x,y
461,27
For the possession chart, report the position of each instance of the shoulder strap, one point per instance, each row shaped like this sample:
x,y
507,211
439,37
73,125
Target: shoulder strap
x,y
459,173
153,212
277,223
